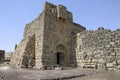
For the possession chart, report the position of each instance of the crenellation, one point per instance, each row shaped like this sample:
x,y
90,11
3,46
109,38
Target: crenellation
x,y
61,12
49,5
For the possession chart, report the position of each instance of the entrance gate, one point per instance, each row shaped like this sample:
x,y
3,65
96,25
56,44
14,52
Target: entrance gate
x,y
60,58
60,55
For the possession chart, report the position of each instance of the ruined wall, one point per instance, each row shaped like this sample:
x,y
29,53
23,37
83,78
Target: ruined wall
x,y
46,37
32,43
2,56
24,55
38,32
99,49
57,32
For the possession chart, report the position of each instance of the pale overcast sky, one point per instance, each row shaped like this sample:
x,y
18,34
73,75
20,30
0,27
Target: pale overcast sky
x,y
15,14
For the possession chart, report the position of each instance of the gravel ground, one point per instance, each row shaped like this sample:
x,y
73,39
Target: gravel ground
x,y
8,73
101,76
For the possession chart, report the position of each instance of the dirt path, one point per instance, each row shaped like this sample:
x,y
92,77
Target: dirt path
x,y
7,73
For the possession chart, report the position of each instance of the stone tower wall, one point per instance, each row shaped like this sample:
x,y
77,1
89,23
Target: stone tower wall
x,y
51,32
58,28
99,49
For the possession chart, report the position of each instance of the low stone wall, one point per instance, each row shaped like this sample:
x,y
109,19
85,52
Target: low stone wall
x,y
100,48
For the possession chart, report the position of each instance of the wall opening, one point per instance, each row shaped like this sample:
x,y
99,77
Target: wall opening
x,y
60,55
60,58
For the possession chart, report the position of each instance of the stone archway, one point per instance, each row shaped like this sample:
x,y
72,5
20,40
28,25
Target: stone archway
x,y
60,55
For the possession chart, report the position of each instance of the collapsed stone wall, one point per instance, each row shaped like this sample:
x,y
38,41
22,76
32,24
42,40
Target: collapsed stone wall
x,y
36,28
24,53
98,49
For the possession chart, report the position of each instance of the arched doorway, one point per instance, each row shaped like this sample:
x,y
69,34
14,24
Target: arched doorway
x,y
60,55
60,58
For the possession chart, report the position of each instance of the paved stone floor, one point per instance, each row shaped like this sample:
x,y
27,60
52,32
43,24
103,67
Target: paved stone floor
x,y
8,73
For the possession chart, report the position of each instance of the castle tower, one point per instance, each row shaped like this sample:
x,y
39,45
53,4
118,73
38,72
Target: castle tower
x,y
48,40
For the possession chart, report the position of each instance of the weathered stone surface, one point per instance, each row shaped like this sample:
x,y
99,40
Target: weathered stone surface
x,y
2,56
101,47
24,53
54,40
48,40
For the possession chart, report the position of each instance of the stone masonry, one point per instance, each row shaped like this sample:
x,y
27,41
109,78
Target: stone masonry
x,y
99,49
48,40
54,40
2,56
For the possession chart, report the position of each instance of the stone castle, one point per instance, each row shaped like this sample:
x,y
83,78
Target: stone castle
x,y
54,40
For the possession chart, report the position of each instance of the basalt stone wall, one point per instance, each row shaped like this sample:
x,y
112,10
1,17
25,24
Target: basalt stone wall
x,y
28,52
24,54
99,49
36,28
57,38
48,40
2,56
